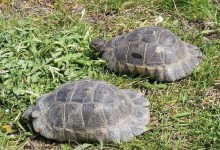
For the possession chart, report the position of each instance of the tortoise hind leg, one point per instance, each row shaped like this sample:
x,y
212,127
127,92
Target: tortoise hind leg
x,y
193,50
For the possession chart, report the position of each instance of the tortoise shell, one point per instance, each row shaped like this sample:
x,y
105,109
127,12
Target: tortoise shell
x,y
152,51
89,111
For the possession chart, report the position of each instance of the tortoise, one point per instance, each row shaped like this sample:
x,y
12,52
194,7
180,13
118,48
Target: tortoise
x,y
89,111
151,51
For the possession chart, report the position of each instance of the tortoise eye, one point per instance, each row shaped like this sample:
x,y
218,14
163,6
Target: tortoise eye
x,y
136,55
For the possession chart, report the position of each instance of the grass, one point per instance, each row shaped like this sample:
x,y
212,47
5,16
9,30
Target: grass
x,y
41,50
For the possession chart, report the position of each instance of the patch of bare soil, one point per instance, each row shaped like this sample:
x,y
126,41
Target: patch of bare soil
x,y
22,8
212,95
40,142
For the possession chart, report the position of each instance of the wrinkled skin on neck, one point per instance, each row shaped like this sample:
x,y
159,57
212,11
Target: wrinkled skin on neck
x,y
98,45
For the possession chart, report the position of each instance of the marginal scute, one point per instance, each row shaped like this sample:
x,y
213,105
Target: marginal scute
x,y
193,50
150,70
169,74
101,133
91,136
141,115
193,62
82,135
187,68
179,71
42,126
126,68
114,133
125,131
159,73
58,134
120,67
131,67
47,131
135,127
70,134
140,69
40,123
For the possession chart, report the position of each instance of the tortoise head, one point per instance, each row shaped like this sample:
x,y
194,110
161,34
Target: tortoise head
x,y
26,117
98,45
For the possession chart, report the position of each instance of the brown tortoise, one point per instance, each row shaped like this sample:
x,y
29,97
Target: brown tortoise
x,y
152,51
